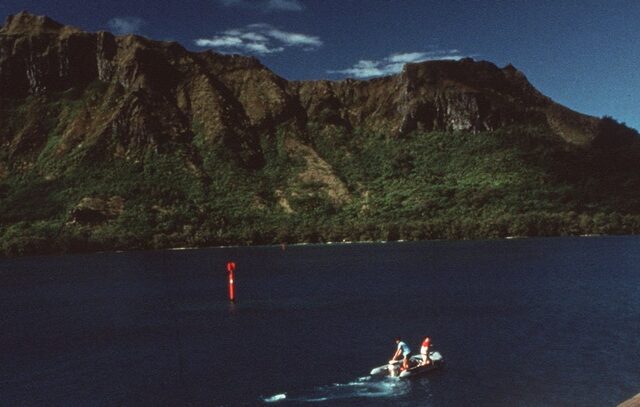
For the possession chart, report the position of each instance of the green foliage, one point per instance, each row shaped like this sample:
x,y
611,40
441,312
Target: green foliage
x,y
29,199
512,182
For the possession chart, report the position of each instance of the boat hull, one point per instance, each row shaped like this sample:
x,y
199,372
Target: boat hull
x,y
393,369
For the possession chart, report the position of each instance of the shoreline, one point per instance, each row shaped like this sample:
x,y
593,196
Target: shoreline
x,y
303,244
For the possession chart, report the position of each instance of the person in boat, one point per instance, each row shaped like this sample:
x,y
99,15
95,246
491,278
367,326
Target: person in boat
x,y
403,351
424,351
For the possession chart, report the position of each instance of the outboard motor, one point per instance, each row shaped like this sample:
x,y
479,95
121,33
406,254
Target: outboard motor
x,y
435,357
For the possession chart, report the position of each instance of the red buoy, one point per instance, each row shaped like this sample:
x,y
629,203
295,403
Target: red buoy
x,y
231,266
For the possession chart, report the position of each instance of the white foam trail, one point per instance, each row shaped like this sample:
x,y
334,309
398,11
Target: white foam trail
x,y
275,397
363,387
314,400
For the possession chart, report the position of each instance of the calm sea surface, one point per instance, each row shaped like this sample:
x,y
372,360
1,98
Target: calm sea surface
x,y
535,322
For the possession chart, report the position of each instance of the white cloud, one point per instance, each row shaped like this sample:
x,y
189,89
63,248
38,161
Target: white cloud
x,y
363,69
259,39
394,63
265,5
294,39
126,25
407,57
251,36
224,41
262,49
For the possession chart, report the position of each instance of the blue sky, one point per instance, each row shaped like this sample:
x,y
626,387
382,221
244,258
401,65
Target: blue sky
x,y
584,54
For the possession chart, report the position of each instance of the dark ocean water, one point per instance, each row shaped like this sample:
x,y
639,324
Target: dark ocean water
x,y
535,322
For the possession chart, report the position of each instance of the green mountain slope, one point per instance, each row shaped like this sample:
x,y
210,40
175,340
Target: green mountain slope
x,y
125,143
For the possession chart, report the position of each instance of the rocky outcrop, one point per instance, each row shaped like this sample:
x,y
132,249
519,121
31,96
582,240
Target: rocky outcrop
x,y
437,95
632,402
130,94
152,93
25,23
39,55
97,210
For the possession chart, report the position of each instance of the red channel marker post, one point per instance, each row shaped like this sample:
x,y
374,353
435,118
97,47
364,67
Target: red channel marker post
x,y
231,266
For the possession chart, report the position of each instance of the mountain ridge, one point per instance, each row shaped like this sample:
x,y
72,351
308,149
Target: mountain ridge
x,y
434,95
227,124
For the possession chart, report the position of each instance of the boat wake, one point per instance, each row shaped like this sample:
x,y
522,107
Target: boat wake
x,y
364,387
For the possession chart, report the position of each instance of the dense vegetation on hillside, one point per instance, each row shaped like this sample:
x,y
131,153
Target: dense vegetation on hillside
x,y
517,181
121,142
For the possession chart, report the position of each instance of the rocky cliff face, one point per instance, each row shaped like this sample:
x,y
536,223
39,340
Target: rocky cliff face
x,y
150,93
445,96
438,95
145,94
120,142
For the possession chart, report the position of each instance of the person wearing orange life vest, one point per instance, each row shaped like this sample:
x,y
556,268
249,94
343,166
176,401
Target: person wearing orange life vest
x,y
424,351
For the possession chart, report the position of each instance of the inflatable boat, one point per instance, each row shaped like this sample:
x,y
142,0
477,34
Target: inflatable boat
x,y
394,369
